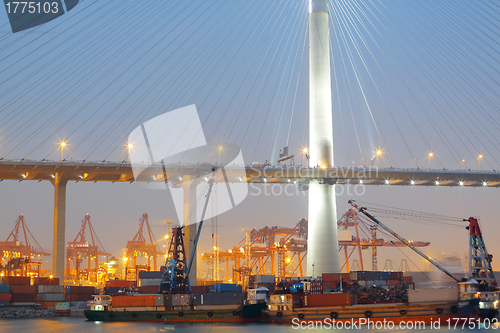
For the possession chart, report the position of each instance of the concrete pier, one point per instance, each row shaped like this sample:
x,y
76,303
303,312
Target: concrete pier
x,y
322,243
59,243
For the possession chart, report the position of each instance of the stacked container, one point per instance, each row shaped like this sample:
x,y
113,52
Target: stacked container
x,y
225,288
49,295
138,303
214,301
22,293
5,296
79,293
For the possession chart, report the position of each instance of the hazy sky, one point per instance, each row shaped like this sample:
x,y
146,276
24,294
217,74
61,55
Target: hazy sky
x,y
407,77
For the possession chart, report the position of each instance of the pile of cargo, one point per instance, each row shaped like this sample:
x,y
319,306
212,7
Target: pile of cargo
x,y
114,286
267,281
149,282
79,293
19,289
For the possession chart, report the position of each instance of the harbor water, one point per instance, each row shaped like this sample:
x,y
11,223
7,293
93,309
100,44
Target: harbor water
x,y
78,324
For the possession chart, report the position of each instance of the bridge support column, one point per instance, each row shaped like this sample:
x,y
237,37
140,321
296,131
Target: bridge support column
x,y
322,243
191,226
59,243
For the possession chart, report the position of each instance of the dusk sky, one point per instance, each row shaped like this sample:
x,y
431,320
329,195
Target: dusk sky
x,y
408,78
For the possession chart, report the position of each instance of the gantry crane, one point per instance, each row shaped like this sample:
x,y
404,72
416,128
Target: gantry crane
x,y
285,248
80,248
140,247
20,253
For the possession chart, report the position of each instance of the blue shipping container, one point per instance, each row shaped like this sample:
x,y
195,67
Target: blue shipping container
x,y
224,288
4,303
385,275
4,288
150,275
362,275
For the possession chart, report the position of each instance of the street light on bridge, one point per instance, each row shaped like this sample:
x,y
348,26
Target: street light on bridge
x,y
479,161
62,145
431,155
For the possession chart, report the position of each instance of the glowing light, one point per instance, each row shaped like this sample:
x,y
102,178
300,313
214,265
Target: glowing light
x,y
431,154
62,144
288,179
51,276
437,182
412,182
220,148
485,184
461,183
166,236
361,181
323,167
387,182
378,152
125,259
480,156
305,150
265,180
129,145
288,260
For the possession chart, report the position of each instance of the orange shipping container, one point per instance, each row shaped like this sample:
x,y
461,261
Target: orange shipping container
x,y
46,305
392,282
45,281
121,283
22,289
335,277
16,280
325,300
4,297
128,301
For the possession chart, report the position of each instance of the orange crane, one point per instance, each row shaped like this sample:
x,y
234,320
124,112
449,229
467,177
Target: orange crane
x,y
80,249
284,248
18,255
140,247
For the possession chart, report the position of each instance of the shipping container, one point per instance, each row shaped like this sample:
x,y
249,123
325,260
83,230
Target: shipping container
x,y
200,289
136,308
263,278
432,295
137,300
217,298
5,297
325,300
225,288
111,290
385,275
372,275
23,303
51,297
121,283
379,283
397,276
80,290
4,303
23,298
16,280
4,288
393,282
50,289
150,282
148,289
407,279
353,276
150,275
78,297
362,276
62,306
22,289
181,300
216,307
47,305
45,281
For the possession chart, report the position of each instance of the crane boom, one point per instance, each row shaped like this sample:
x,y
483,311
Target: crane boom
x,y
407,243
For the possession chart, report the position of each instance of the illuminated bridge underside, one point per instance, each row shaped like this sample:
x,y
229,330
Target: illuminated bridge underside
x,y
122,172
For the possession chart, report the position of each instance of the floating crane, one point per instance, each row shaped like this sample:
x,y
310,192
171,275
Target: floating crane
x,y
480,270
80,248
175,277
20,251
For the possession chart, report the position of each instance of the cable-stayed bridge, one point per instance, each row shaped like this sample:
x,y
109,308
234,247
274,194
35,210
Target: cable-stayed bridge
x,y
409,84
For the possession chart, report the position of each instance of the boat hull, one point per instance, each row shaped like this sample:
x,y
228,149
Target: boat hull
x,y
246,313
396,313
